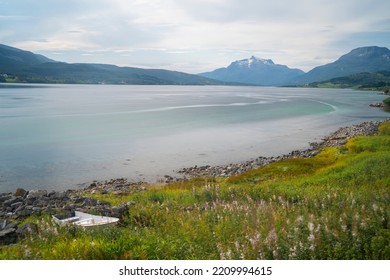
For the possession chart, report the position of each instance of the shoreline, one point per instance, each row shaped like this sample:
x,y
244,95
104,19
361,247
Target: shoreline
x,y
120,185
336,138
18,205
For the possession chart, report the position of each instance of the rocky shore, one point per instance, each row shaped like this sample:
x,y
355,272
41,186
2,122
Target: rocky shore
x,y
337,138
16,206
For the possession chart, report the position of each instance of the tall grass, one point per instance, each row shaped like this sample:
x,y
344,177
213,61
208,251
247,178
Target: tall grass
x,y
332,206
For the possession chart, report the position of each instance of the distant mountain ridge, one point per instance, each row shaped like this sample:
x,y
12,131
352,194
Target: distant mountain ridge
x,y
365,59
255,71
25,66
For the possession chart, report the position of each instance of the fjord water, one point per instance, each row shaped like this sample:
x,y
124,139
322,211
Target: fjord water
x,y
59,136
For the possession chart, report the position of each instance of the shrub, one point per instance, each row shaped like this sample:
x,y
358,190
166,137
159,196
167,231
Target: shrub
x,y
387,103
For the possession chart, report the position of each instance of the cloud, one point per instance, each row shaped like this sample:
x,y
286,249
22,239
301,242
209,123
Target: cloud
x,y
195,35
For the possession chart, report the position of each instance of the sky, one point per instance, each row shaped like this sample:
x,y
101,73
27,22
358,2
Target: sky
x,y
194,36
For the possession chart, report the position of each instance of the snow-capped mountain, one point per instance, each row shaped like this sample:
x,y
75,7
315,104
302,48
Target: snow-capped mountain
x,y
255,71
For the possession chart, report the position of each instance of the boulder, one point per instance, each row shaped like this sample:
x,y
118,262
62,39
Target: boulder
x,y
8,232
26,230
89,202
5,197
20,192
36,194
12,200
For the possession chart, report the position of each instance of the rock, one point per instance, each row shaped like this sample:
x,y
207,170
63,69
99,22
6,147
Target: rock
x,y
36,194
89,202
377,105
12,200
5,197
20,192
121,211
16,205
26,230
58,195
103,203
8,232
9,225
25,213
41,202
3,224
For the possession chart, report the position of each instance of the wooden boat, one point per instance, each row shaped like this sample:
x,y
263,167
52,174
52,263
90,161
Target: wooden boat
x,y
86,220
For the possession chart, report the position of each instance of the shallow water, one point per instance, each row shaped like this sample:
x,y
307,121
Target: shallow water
x,y
59,136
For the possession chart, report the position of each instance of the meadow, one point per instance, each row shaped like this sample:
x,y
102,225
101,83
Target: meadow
x,y
331,206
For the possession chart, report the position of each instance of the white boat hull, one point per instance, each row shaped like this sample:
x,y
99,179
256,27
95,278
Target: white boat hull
x,y
86,220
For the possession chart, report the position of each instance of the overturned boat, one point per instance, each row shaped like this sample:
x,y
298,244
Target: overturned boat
x,y
86,220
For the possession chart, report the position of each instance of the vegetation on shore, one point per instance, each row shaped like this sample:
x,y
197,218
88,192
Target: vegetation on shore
x,y
379,81
386,103
331,206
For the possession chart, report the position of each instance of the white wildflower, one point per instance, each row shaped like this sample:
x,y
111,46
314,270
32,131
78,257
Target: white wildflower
x,y
310,226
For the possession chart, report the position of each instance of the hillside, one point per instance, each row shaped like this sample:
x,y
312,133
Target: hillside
x,y
13,58
360,60
21,66
377,80
255,71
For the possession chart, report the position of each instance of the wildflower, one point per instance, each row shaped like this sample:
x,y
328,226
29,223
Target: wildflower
x,y
310,226
229,254
293,253
237,245
27,252
357,217
254,240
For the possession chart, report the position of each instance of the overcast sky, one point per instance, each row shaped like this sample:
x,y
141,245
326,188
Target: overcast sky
x,y
194,35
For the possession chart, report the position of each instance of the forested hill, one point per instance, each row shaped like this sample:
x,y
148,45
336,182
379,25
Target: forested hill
x,y
22,66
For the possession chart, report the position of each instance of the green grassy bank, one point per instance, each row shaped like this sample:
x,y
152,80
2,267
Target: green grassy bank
x,y
332,206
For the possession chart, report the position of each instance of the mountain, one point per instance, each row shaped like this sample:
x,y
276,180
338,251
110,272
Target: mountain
x,y
25,66
255,71
13,58
364,59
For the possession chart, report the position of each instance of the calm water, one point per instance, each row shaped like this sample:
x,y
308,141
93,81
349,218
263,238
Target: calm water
x,y
56,137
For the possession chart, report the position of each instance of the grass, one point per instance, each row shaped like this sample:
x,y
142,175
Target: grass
x,y
332,206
